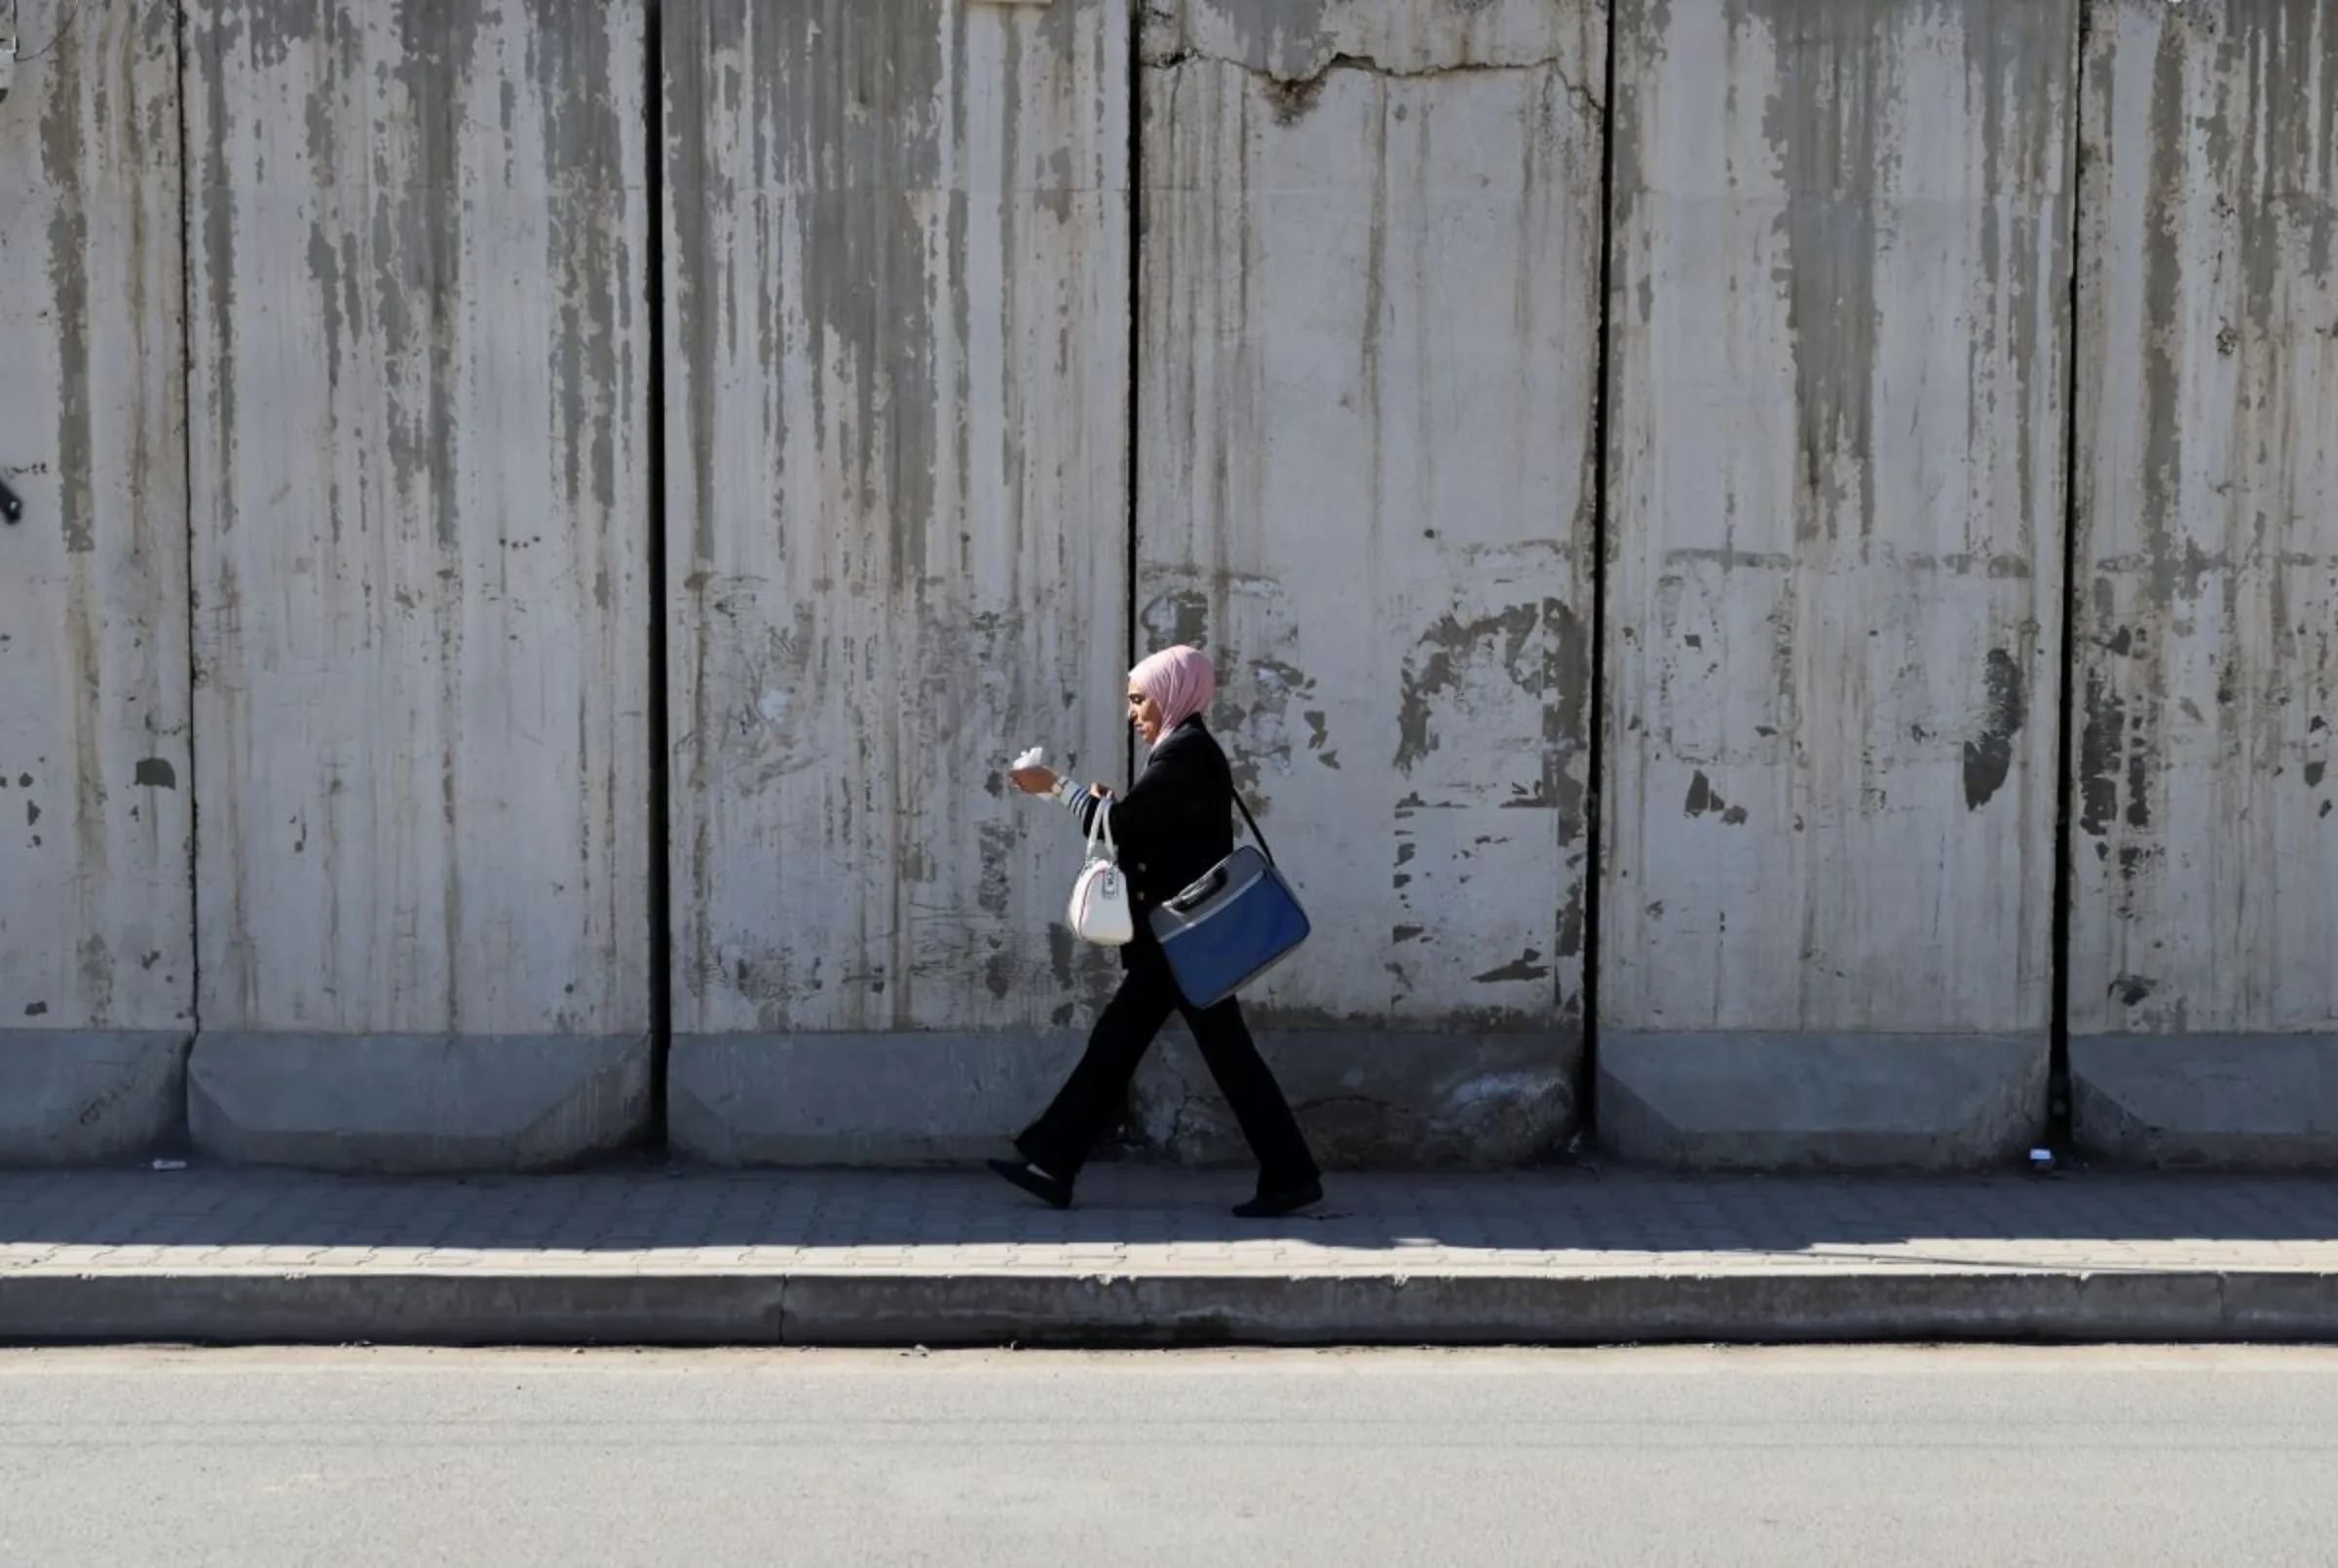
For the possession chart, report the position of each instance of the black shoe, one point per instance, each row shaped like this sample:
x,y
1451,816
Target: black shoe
x,y
1280,1202
1053,1191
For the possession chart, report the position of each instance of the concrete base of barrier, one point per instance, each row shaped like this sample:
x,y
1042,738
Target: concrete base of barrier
x,y
2233,1103
404,1103
1367,1101
87,1097
1752,1102
1388,1100
852,1099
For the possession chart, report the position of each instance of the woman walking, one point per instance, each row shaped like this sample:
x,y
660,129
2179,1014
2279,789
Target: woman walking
x,y
1175,823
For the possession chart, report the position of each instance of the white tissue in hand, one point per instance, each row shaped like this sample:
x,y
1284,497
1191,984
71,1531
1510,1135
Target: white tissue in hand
x,y
1033,758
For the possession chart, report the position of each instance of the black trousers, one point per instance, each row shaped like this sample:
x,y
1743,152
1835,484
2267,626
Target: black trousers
x,y
1059,1142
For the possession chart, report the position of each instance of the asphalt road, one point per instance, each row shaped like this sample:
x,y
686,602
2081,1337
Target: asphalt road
x,y
1806,1457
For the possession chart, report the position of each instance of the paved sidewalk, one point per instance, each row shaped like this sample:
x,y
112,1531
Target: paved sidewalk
x,y
1152,1255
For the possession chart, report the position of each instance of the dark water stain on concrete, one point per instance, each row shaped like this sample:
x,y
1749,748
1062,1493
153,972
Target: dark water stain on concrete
x,y
1570,923
1989,755
420,244
1291,102
2170,197
1825,124
598,277
1843,78
2138,786
698,109
854,92
2101,741
63,155
1567,717
999,975
994,891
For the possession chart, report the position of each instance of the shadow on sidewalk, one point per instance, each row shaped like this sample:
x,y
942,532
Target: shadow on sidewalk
x,y
1576,1209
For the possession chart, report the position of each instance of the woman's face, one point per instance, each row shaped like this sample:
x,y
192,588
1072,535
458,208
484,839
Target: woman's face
x,y
1145,715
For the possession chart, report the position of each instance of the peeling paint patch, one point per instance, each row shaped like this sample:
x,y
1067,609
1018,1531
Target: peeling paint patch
x,y
156,773
1526,966
1452,653
1701,797
1706,800
1174,619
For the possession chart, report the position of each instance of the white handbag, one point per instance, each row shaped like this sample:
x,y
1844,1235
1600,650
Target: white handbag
x,y
1099,912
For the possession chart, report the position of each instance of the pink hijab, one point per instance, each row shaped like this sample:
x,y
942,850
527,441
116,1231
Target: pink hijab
x,y
1180,679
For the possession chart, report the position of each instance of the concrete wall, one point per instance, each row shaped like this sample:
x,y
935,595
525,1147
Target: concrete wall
x,y
1367,352
97,931
1840,323
2203,998
419,441
897,403
920,411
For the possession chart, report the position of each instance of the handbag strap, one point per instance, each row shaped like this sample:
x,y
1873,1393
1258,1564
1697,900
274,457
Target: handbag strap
x,y
1102,824
1254,827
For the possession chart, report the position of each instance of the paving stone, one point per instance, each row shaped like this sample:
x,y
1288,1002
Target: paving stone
x,y
1145,1221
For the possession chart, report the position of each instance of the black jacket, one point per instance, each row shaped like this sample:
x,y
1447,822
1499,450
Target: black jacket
x,y
1175,821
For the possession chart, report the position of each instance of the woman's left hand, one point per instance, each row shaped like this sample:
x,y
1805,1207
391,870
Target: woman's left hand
x,y
1033,780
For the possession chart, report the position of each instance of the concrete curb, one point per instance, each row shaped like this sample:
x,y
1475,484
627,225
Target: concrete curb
x,y
1101,1310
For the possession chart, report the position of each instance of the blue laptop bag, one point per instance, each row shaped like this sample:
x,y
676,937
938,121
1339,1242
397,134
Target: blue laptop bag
x,y
1234,923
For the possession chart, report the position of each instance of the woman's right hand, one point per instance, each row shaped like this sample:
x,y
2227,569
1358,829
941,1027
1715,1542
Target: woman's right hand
x,y
1033,780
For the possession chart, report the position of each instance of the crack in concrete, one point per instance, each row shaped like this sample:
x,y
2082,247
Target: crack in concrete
x,y
1301,91
1204,1116
1169,1133
1365,1100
